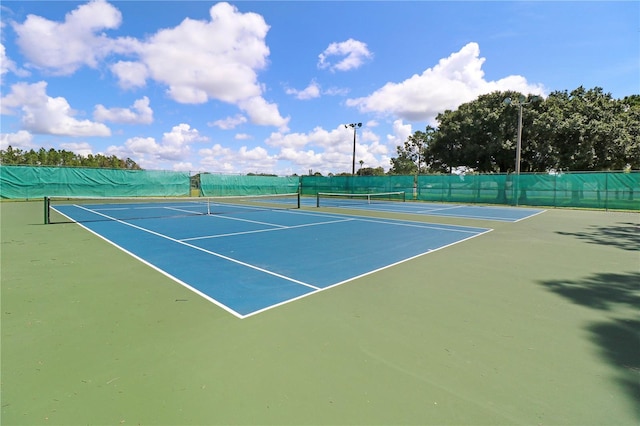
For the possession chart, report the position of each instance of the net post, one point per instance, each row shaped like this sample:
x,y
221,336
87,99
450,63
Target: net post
x,y
317,199
298,201
47,216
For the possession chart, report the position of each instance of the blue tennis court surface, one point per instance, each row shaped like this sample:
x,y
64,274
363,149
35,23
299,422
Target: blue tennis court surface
x,y
248,262
502,214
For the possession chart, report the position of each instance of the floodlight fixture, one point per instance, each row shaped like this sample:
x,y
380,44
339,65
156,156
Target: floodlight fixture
x,y
353,160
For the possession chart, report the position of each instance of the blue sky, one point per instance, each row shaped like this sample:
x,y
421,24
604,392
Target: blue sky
x,y
267,87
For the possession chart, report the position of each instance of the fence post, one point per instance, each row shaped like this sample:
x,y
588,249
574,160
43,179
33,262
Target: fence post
x,y
606,191
47,217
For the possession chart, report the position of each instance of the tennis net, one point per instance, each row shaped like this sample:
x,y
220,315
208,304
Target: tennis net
x,y
329,199
85,209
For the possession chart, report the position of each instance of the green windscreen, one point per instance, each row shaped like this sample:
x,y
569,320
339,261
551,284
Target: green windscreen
x,y
606,190
589,190
213,185
35,182
602,190
311,185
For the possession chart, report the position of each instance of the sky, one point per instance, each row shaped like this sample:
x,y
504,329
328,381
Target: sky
x,y
269,86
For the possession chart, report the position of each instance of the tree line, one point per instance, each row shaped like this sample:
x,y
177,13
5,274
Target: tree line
x,y
53,157
581,130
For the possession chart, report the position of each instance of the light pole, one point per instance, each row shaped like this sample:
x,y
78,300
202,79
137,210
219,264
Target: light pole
x,y
353,161
520,103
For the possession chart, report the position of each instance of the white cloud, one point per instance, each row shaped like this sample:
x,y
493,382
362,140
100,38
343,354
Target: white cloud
x,y
336,91
130,74
176,144
401,133
330,150
175,147
257,154
229,122
263,113
218,59
453,81
143,150
243,160
353,53
291,140
370,150
64,47
314,90
338,139
303,159
80,148
139,145
198,60
310,92
216,150
19,140
7,65
320,150
182,166
46,115
139,113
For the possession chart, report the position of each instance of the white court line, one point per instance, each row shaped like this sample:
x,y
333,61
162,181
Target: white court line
x,y
340,217
435,211
409,206
230,259
416,223
280,228
362,275
531,215
438,212
195,213
190,212
246,220
152,266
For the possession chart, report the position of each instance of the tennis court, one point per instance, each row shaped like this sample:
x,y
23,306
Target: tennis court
x,y
532,323
250,254
395,202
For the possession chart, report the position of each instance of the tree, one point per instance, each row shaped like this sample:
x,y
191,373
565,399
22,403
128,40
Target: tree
x,y
579,130
402,164
11,156
370,171
630,122
588,130
53,157
411,156
480,135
